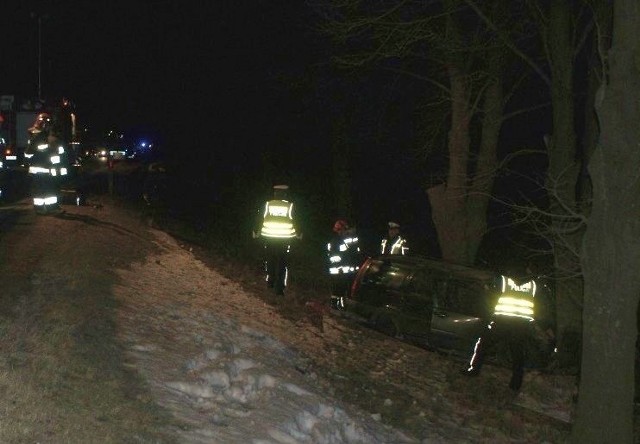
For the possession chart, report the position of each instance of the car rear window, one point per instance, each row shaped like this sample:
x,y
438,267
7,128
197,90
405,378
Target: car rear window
x,y
385,273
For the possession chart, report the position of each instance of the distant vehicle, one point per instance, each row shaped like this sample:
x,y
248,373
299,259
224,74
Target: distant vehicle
x,y
434,304
117,154
16,117
19,118
101,152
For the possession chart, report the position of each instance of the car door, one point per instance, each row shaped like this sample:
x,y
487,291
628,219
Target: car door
x,y
378,290
457,315
417,305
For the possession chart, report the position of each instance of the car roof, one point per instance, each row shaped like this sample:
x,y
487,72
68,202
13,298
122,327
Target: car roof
x,y
449,268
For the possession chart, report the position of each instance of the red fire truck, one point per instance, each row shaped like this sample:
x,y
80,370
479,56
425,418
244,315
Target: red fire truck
x,y
16,117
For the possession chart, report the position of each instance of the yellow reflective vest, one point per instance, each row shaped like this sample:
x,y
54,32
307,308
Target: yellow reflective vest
x,y
516,301
277,221
397,245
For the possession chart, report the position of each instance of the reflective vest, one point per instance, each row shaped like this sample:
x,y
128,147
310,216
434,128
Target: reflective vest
x,y
516,301
277,221
344,255
398,245
48,160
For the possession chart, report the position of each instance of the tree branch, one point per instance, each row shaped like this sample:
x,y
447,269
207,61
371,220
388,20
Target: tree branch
x,y
508,43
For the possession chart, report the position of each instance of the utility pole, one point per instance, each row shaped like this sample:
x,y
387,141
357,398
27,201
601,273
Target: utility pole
x,y
40,17
39,57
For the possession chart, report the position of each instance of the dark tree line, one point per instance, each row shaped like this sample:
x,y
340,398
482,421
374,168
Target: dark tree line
x,y
473,57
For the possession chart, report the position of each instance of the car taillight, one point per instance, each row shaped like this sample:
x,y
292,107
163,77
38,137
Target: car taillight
x,y
356,282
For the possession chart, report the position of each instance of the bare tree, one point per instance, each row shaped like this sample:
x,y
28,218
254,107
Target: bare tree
x,y
563,170
341,165
461,64
563,28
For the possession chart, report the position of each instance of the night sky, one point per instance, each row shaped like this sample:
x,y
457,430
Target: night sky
x,y
151,62
224,84
217,82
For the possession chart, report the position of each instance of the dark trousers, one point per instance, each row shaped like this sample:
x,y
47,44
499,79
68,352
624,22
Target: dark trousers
x,y
43,186
340,288
276,265
512,333
341,284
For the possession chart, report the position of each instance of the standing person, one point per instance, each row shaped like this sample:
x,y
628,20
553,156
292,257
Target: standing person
x,y
154,193
64,122
48,167
512,322
344,259
277,231
394,243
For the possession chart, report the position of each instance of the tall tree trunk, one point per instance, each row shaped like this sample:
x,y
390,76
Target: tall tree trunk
x,y
600,44
611,250
459,207
482,184
342,201
562,177
448,199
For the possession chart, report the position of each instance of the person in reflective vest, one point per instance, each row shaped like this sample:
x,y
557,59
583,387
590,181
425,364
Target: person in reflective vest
x,y
511,322
47,168
344,259
277,230
394,243
64,125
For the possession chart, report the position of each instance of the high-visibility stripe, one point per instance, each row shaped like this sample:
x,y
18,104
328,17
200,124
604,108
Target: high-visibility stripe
x,y
278,229
398,247
514,306
50,200
344,269
38,170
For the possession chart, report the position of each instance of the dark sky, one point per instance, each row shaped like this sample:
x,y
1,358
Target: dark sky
x,y
153,62
226,83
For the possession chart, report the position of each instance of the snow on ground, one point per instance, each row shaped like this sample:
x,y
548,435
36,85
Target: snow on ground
x,y
202,344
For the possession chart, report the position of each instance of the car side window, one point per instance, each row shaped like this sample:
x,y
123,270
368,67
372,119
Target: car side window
x,y
385,274
465,297
420,288
420,282
373,273
393,277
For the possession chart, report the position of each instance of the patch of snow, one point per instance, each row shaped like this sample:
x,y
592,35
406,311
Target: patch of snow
x,y
295,389
217,379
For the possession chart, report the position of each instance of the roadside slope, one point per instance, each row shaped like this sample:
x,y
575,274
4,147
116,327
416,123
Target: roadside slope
x,y
113,332
62,377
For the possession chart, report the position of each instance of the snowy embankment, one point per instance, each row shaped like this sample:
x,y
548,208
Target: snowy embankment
x,y
201,344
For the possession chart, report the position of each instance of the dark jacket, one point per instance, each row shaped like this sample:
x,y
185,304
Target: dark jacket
x,y
343,253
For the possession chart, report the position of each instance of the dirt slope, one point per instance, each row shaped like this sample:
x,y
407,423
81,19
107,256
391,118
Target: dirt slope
x,y
145,315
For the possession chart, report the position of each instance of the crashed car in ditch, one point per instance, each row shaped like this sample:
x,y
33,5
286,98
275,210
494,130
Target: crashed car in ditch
x,y
434,304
